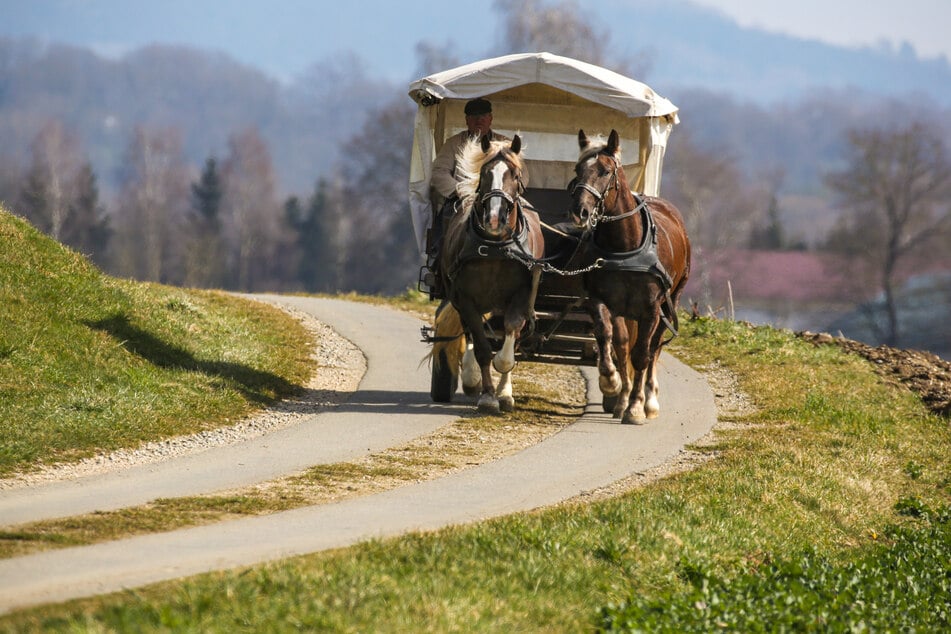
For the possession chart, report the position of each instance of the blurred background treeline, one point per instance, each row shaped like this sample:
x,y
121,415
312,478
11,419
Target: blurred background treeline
x,y
824,208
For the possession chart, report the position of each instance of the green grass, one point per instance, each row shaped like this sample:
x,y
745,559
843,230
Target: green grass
x,y
825,510
91,363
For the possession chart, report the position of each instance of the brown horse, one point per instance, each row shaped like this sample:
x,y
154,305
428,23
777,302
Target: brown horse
x,y
489,260
642,252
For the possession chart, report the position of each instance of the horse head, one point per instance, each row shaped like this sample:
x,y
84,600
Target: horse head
x,y
495,198
597,182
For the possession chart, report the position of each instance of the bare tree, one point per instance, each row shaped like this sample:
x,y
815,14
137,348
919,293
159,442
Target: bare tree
x,y
431,58
251,215
152,206
720,209
530,26
381,252
50,183
895,192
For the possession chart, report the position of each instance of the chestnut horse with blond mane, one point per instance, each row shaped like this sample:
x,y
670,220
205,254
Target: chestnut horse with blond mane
x,y
640,256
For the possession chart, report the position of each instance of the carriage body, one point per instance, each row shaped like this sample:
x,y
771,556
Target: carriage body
x,y
545,99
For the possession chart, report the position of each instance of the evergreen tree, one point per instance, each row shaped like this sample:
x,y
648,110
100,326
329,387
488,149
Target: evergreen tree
x,y
204,258
87,226
317,233
206,198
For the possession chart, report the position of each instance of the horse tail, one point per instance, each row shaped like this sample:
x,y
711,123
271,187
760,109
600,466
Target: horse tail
x,y
449,339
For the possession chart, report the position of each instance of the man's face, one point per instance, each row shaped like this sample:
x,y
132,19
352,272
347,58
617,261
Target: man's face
x,y
479,124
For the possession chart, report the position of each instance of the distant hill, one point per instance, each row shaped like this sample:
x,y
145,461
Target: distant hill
x,y
690,47
764,100
206,95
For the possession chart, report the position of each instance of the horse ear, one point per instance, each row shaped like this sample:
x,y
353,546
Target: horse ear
x,y
516,144
486,142
582,139
614,142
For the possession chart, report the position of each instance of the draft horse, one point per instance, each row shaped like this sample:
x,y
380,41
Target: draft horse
x,y
640,256
489,261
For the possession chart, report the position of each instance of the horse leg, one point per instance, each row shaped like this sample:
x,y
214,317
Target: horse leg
x,y
488,403
640,360
622,348
516,314
609,380
504,393
652,387
471,374
504,360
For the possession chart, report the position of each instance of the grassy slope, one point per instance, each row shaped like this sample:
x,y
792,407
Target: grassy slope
x,y
820,468
89,362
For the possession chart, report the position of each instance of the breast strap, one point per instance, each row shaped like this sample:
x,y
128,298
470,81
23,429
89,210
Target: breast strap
x,y
643,259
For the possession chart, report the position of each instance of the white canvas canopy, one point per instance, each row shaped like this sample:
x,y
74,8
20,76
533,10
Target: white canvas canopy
x,y
545,99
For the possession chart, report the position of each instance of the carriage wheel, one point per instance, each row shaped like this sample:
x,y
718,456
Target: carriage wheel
x,y
443,384
608,403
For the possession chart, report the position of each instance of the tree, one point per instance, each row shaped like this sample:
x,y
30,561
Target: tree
x,y
560,28
530,25
204,257
376,216
894,191
87,228
319,241
251,214
719,207
151,208
770,234
50,182
431,58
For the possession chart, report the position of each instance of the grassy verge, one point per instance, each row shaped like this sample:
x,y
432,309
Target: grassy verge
x,y
829,469
91,363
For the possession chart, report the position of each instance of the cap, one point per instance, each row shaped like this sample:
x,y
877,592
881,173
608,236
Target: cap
x,y
477,107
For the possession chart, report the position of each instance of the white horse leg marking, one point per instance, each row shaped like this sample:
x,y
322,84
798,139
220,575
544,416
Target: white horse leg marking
x,y
471,374
504,393
652,406
504,360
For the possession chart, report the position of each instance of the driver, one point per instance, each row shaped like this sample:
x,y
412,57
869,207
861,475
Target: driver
x,y
443,181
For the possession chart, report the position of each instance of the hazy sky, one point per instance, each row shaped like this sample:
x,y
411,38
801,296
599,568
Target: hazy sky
x,y
926,24
285,36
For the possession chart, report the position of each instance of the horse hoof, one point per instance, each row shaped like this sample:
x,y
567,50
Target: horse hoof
x,y
610,385
488,404
633,419
507,404
652,408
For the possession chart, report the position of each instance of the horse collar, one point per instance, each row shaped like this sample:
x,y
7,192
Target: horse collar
x,y
643,258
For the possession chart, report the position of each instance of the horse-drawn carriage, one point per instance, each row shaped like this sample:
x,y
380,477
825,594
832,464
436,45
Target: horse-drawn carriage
x,y
542,102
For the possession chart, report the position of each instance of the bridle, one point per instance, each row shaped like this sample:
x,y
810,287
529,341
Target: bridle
x,y
495,192
597,215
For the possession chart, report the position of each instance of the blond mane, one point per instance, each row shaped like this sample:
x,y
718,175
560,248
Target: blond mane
x,y
469,164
